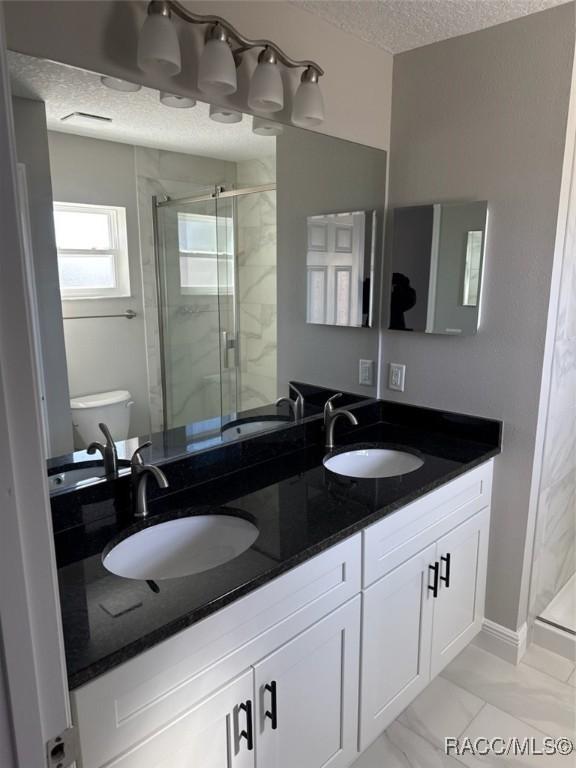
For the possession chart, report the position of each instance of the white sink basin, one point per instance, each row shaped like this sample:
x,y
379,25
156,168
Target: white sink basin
x,y
181,547
373,463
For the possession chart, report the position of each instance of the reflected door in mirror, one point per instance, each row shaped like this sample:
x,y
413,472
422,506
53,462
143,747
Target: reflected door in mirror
x,y
339,265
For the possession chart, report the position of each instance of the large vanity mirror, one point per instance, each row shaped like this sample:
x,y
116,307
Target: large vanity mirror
x,y
437,263
169,258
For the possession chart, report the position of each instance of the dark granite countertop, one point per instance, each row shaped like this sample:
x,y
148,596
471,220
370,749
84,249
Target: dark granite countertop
x,y
300,509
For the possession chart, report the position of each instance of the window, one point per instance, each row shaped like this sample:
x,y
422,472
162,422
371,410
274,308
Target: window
x,y
206,246
92,251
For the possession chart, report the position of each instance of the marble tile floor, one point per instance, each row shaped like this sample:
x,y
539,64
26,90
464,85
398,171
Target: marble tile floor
x,y
480,695
562,609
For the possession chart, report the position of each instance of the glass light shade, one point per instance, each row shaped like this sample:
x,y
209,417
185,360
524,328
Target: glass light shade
x,y
217,69
177,102
308,106
264,127
116,84
225,115
266,92
158,46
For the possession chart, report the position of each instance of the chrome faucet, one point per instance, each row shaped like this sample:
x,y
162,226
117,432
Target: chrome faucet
x,y
140,472
331,416
108,451
296,406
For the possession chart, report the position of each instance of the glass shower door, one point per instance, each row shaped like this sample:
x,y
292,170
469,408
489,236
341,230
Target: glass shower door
x,y
196,287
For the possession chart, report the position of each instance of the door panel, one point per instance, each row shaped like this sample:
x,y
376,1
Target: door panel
x,y
195,263
316,697
459,609
206,736
396,632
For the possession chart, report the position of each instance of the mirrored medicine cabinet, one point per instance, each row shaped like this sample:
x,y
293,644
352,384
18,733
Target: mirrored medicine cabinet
x,y
437,265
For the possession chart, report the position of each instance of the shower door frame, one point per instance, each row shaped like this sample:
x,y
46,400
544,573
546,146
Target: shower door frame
x,y
218,194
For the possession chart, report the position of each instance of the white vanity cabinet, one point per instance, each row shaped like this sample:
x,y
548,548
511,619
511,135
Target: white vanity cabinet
x,y
307,696
210,734
310,668
200,698
422,612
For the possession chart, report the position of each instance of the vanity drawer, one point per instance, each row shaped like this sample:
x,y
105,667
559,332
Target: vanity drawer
x,y
116,710
396,538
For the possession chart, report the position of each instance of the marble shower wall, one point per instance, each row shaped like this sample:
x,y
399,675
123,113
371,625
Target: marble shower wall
x,y
192,321
257,297
555,542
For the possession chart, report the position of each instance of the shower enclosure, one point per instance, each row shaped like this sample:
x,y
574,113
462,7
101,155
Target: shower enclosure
x,y
202,293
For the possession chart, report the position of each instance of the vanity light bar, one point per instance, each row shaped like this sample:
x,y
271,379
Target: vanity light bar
x,y
243,43
159,52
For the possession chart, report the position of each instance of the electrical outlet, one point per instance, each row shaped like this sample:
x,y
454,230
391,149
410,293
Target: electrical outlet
x,y
366,373
396,376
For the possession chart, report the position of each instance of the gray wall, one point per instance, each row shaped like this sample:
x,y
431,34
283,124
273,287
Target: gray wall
x,y
317,175
483,117
32,148
107,353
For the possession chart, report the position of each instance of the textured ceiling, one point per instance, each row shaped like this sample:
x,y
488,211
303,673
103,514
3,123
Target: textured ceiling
x,y
137,118
400,25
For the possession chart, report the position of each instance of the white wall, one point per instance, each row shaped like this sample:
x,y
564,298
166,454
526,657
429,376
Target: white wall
x,y
483,117
32,148
102,36
105,353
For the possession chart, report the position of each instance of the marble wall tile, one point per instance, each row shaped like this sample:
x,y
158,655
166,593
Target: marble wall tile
x,y
555,538
257,245
257,390
261,170
257,285
560,447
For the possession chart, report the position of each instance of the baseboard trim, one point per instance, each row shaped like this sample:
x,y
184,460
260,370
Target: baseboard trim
x,y
508,644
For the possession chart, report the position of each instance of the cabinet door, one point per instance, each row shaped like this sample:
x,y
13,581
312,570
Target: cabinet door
x,y
215,733
307,696
459,609
396,632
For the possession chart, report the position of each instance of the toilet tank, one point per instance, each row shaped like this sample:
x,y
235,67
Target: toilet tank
x,y
112,408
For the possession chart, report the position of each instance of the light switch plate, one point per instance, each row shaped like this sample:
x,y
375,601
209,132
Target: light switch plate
x,y
366,373
396,377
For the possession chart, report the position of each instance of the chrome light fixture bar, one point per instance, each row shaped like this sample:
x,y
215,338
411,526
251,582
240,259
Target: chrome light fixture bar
x,y
159,50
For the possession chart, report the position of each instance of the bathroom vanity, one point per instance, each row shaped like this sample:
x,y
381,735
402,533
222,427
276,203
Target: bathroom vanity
x,y
302,649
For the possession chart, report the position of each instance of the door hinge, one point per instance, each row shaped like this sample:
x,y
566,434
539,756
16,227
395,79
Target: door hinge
x,y
62,750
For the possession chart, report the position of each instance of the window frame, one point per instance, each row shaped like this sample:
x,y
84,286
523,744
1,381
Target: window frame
x,y
119,252
215,256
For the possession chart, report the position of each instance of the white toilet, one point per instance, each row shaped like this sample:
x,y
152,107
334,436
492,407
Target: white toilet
x,y
112,408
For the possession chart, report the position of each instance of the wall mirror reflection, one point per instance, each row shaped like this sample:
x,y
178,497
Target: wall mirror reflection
x,y
437,263
168,260
340,267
